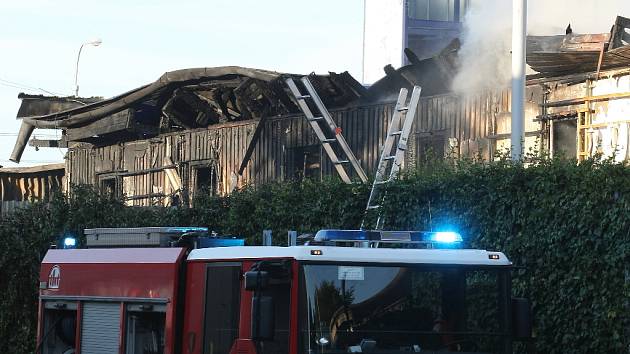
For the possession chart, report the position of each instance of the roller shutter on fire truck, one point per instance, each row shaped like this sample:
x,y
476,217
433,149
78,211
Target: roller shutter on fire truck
x,y
100,328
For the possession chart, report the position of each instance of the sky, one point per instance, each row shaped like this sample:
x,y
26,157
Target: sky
x,y
39,41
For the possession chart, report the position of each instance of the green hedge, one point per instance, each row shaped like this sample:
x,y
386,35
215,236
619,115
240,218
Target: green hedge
x,y
567,224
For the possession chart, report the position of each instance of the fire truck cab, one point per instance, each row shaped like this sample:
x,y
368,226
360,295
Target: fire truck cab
x,y
395,294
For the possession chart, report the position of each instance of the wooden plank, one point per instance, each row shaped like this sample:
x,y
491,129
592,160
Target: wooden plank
x,y
117,122
62,143
252,143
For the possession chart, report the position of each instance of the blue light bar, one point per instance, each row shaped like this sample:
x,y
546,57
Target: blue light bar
x,y
446,237
187,229
208,242
441,237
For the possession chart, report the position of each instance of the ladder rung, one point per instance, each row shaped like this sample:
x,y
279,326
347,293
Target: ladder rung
x,y
382,182
387,158
370,207
396,133
339,162
329,140
403,109
314,119
302,97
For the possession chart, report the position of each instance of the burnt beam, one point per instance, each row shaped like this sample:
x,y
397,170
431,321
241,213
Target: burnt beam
x,y
40,143
122,121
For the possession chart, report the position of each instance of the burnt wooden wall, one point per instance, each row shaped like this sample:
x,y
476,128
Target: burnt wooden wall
x,y
445,124
20,188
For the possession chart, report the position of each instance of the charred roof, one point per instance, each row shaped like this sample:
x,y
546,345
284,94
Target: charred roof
x,y
573,53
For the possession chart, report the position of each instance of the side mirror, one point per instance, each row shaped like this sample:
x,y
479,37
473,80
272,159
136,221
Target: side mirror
x,y
522,321
256,280
263,321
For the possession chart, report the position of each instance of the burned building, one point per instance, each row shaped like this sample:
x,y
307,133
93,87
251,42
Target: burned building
x,y
211,130
215,129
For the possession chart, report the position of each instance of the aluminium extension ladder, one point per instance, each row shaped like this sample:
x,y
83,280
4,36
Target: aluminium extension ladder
x,y
393,154
326,130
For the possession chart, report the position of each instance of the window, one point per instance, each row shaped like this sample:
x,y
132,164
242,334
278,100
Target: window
x,y
437,10
281,294
223,298
304,162
109,186
403,309
564,133
279,289
60,326
145,329
430,146
206,179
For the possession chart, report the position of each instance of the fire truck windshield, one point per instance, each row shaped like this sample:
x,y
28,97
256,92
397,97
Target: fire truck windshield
x,y
382,309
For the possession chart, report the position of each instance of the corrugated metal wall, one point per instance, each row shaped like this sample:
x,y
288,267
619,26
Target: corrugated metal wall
x,y
137,165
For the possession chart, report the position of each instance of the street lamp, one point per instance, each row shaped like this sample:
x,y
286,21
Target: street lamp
x,y
94,43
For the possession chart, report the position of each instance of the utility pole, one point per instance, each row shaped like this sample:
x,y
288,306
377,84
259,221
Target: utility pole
x,y
519,35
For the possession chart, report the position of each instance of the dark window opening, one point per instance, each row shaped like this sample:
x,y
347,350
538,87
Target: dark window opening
x,y
304,162
429,147
564,135
109,187
59,330
145,329
223,289
206,180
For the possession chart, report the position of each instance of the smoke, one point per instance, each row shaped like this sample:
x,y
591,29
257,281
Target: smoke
x,y
485,59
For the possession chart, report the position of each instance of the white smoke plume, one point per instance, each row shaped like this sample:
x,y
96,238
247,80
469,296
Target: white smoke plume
x,y
485,59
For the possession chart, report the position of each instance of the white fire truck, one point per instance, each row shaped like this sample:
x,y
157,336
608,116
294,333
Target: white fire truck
x,y
178,290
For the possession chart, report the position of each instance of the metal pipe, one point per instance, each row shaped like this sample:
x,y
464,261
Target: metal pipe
x,y
519,30
22,139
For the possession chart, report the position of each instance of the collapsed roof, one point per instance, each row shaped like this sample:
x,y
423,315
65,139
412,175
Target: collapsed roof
x,y
198,98
579,53
184,99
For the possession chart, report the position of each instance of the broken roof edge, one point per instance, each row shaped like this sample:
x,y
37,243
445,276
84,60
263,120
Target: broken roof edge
x,y
28,96
91,112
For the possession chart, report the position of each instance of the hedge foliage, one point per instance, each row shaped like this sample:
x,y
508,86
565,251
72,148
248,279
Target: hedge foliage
x,y
567,224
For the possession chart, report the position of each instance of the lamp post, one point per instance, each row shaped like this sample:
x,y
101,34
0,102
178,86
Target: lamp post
x,y
94,43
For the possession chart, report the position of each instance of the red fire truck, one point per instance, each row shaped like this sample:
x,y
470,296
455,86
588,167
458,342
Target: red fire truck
x,y
178,290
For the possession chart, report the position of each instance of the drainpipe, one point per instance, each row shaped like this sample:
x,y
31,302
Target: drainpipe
x,y
519,30
22,139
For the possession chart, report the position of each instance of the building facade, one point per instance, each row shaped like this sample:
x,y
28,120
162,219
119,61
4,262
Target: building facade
x,y
424,26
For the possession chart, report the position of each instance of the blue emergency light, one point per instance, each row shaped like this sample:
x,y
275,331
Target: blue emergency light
x,y
68,241
445,238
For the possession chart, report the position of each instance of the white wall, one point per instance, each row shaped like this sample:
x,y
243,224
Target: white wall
x,y
383,37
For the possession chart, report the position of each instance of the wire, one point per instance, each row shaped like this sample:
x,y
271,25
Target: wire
x,y
34,135
18,85
32,161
